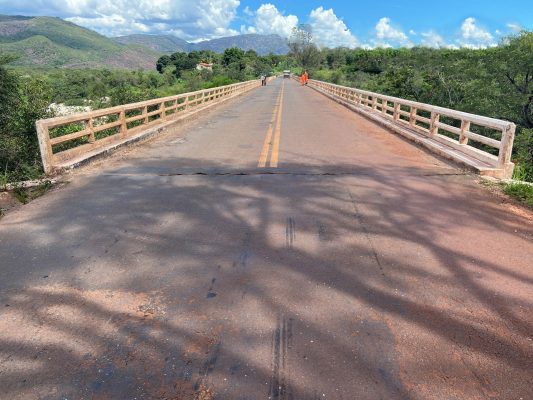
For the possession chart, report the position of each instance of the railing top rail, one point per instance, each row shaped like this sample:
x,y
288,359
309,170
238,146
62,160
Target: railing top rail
x,y
474,118
58,121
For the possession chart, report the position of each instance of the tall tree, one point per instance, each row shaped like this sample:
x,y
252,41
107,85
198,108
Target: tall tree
x,y
302,48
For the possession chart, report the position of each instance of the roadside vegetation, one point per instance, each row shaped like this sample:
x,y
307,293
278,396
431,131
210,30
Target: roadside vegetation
x,y
520,191
495,82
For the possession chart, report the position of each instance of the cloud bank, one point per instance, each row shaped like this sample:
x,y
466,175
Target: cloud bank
x,y
208,19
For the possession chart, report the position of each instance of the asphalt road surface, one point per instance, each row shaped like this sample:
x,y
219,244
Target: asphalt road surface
x,y
278,247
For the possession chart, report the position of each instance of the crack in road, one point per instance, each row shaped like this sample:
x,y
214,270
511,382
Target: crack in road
x,y
258,173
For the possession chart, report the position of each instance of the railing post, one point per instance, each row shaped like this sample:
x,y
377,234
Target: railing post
x,y
374,103
43,135
89,126
396,115
465,127
384,106
123,126
506,149
433,128
412,116
145,113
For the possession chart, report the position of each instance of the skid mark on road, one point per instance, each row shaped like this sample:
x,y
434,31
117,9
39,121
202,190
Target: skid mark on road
x,y
210,292
281,344
245,253
290,233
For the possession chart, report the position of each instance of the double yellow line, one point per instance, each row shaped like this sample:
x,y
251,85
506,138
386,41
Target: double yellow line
x,y
275,129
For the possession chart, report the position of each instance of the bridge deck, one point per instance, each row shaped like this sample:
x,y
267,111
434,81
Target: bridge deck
x,y
359,267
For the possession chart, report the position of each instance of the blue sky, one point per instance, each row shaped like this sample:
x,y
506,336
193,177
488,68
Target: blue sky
x,y
448,23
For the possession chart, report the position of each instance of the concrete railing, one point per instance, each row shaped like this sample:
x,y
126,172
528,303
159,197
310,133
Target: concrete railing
x,y
458,125
64,139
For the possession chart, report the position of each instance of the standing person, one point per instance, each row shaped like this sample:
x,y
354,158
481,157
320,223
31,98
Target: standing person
x,y
263,80
302,79
306,77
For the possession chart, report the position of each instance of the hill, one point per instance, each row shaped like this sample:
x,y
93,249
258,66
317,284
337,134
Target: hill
x,y
53,42
262,44
158,43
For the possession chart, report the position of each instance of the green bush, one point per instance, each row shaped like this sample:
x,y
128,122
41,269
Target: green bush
x,y
524,155
520,191
23,101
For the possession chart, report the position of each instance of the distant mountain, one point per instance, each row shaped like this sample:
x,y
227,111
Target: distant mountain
x,y
262,44
53,42
159,43
56,43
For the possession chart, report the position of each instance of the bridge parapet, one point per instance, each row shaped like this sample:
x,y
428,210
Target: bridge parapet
x,y
424,123
67,140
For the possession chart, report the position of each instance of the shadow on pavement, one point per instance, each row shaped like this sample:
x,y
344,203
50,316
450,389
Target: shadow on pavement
x,y
345,282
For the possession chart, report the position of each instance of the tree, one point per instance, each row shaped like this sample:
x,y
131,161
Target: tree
x,y
8,92
302,47
514,64
184,61
233,55
22,101
162,63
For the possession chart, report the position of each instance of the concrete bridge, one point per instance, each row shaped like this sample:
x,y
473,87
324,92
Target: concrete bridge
x,y
276,246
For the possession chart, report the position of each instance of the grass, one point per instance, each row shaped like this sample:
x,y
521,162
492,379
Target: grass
x,y
24,196
520,191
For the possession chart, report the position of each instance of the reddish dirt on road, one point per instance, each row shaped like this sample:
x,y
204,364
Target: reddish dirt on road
x,y
361,267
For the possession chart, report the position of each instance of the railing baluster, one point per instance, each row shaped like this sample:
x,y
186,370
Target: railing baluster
x,y
162,111
412,116
89,126
506,148
433,128
45,146
396,115
465,127
123,126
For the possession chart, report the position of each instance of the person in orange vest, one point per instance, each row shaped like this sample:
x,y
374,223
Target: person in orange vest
x,y
302,79
306,77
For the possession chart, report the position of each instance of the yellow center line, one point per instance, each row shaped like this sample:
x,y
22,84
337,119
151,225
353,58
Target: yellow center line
x,y
266,145
277,133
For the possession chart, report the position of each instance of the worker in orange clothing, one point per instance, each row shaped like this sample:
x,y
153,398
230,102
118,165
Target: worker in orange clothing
x,y
306,77
302,79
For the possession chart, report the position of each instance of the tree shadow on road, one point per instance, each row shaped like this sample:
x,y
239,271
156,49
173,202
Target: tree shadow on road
x,y
130,285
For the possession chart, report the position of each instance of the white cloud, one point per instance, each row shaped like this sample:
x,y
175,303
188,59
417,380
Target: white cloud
x,y
111,23
268,19
515,28
412,32
248,11
329,30
187,19
475,37
388,36
432,39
